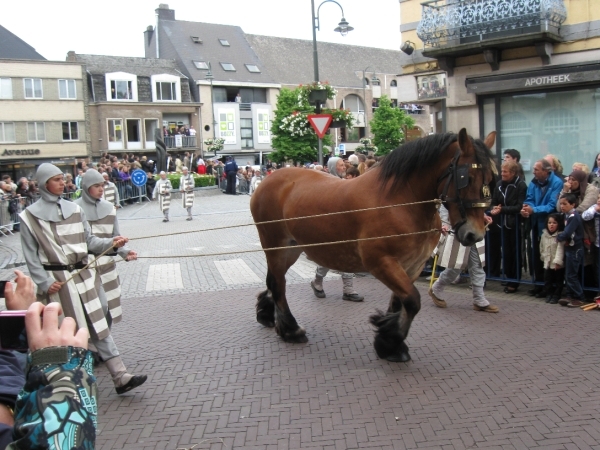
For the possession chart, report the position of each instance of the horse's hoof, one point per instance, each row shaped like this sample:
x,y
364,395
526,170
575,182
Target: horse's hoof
x,y
295,337
269,323
399,357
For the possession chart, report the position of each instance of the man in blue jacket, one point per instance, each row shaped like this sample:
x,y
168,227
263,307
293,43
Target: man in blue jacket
x,y
542,194
231,169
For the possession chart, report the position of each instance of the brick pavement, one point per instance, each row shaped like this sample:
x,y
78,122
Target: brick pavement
x,y
519,379
524,378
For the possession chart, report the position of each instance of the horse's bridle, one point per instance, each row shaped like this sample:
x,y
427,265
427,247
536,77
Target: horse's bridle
x,y
460,175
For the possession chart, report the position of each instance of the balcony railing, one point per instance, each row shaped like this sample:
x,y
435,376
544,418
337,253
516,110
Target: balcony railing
x,y
446,23
186,141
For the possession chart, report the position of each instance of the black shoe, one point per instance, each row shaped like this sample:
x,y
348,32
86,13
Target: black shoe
x,y
553,300
319,293
353,297
549,299
541,294
135,381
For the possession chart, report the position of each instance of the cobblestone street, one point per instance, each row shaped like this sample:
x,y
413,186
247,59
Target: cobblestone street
x,y
525,378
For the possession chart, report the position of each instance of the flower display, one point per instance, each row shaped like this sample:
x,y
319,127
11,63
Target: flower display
x,y
214,145
296,124
306,89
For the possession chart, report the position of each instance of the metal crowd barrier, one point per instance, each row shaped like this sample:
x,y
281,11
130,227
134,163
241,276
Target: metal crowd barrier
x,y
128,193
498,251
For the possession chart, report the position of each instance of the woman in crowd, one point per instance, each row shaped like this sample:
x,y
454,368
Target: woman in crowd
x,y
507,202
587,195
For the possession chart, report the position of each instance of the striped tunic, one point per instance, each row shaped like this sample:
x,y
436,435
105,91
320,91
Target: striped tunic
x,y
64,243
110,194
164,194
186,185
107,268
453,255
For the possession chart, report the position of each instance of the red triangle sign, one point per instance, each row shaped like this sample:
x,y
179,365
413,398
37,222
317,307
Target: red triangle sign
x,y
320,123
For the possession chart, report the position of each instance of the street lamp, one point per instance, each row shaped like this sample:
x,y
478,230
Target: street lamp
x,y
209,76
343,28
364,72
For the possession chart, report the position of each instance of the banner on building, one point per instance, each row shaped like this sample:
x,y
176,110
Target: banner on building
x,y
264,126
226,125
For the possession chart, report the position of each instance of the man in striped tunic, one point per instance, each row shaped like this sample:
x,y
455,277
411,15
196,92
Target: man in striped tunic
x,y
111,193
186,186
452,252
56,240
162,191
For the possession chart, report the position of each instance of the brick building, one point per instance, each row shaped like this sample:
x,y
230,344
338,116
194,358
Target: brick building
x,y
43,113
131,98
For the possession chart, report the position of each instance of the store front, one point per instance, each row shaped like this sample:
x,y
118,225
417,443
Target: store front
x,y
23,160
554,110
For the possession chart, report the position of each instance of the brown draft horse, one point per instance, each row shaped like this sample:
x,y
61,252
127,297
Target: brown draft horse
x,y
450,167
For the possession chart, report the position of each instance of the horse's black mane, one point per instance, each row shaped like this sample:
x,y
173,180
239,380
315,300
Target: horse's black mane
x,y
423,155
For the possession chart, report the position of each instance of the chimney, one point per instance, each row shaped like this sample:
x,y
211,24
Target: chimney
x,y
148,35
71,56
164,13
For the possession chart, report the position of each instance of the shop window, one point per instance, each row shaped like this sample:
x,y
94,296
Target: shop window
x,y
33,88
246,133
560,121
7,132
67,90
36,132
70,131
5,88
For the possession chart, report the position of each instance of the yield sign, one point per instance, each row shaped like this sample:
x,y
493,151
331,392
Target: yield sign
x,y
320,123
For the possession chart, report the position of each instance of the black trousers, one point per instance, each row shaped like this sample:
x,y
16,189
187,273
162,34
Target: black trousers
x,y
231,180
554,281
512,255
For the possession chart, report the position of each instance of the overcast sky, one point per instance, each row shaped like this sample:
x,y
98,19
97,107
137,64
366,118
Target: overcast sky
x,y
115,27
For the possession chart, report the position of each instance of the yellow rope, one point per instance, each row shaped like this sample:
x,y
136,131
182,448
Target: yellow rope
x,y
287,247
436,201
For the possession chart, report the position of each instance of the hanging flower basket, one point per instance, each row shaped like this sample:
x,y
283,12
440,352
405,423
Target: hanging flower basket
x,y
214,145
319,96
342,118
316,92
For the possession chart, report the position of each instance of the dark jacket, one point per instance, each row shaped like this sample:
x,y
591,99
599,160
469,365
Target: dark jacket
x,y
114,175
573,234
231,166
510,195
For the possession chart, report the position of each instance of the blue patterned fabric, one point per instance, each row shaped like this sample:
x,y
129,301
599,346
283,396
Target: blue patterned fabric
x,y
57,407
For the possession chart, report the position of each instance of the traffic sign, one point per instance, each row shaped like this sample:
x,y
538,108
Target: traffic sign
x,y
139,177
320,123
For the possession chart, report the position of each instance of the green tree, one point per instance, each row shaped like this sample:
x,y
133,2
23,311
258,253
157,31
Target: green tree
x,y
388,125
293,137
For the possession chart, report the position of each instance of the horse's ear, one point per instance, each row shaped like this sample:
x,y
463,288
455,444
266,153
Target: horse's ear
x,y
465,144
490,139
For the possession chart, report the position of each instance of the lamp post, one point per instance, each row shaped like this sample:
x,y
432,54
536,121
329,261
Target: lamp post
x,y
343,28
209,76
373,80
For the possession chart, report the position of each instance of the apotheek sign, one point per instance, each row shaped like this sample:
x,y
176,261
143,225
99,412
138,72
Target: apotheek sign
x,y
23,152
546,78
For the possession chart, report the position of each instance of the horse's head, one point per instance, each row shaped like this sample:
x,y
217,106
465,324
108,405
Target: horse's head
x,y
466,190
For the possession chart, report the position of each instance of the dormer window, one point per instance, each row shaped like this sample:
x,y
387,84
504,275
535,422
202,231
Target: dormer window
x,y
227,67
166,88
201,65
252,68
196,40
121,90
121,87
224,42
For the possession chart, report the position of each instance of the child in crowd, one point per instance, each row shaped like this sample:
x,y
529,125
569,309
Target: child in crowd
x,y
552,254
593,213
572,236
352,172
